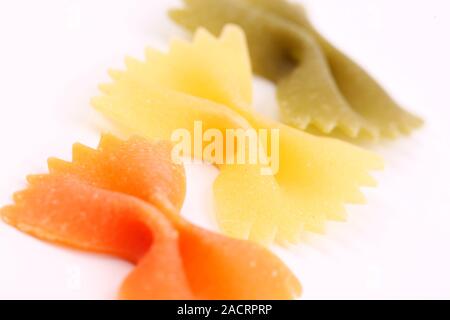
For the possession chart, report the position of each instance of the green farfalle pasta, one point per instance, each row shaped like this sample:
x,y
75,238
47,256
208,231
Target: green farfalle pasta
x,y
318,87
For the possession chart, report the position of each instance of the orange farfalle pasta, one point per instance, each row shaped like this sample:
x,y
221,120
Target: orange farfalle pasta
x,y
209,80
123,199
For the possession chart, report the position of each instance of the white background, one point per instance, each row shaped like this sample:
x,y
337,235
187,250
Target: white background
x,y
54,53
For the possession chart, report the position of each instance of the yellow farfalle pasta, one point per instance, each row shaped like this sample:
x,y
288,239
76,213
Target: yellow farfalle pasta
x,y
209,80
318,87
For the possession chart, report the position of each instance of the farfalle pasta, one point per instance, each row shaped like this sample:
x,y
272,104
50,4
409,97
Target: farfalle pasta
x,y
209,80
318,87
123,199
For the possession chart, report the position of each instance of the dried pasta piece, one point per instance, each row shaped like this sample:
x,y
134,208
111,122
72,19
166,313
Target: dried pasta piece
x,y
318,87
123,200
199,81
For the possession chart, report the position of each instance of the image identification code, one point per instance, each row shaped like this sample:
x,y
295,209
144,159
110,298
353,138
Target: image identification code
x,y
231,309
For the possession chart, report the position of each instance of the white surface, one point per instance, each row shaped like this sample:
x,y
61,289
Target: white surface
x,y
54,53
